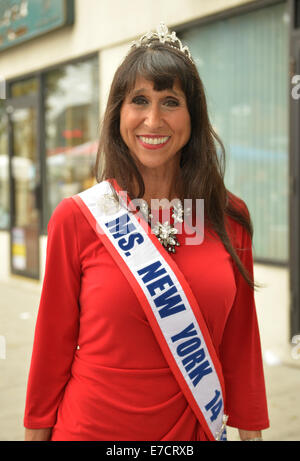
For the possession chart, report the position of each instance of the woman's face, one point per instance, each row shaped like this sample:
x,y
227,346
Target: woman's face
x,y
155,125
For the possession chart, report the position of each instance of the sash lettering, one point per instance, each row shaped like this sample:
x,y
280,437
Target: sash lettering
x,y
168,303
165,302
119,227
193,354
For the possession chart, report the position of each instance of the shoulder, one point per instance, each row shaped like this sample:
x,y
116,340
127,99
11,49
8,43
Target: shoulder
x,y
64,213
238,220
69,223
238,204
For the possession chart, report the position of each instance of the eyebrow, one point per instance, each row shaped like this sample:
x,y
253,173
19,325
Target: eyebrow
x,y
143,90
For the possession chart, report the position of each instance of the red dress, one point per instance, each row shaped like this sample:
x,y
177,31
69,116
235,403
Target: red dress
x,y
97,371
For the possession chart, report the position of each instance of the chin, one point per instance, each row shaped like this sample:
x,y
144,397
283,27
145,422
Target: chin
x,y
151,164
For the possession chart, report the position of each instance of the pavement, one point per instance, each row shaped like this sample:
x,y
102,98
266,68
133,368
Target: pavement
x,y
18,309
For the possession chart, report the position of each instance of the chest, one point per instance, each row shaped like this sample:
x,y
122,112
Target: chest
x,y
107,298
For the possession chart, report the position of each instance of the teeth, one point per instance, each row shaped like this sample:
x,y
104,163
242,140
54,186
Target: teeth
x,y
154,140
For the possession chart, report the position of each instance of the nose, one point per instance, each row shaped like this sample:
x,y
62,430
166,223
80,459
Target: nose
x,y
153,119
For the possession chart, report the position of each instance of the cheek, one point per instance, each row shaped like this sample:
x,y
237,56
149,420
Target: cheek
x,y
184,126
123,124
128,123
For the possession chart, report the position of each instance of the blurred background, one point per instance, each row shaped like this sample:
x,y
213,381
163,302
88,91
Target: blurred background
x,y
57,59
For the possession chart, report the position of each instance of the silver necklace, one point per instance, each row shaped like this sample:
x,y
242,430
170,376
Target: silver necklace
x,y
166,232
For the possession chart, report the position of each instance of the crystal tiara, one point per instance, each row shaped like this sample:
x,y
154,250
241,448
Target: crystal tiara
x,y
162,35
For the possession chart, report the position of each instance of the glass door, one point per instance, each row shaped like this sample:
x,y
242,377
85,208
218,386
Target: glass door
x,y
25,186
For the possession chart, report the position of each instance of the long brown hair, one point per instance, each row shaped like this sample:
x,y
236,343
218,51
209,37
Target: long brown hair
x,y
202,167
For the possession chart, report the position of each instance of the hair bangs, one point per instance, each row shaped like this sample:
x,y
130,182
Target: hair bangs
x,y
157,66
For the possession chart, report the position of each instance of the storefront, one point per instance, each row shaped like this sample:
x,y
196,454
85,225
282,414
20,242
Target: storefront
x,y
48,143
53,125
243,60
49,121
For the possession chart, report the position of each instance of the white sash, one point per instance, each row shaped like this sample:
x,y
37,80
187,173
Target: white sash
x,y
168,302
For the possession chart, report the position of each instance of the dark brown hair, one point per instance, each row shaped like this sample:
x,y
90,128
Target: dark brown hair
x,y
202,167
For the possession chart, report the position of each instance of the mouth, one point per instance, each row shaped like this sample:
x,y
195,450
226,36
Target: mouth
x,y
153,142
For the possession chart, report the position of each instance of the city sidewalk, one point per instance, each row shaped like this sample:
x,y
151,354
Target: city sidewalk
x,y
18,308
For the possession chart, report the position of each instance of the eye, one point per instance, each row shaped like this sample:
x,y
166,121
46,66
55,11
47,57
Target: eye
x,y
139,100
171,102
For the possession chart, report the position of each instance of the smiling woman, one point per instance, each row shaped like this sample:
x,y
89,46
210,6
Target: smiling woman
x,y
134,340
158,121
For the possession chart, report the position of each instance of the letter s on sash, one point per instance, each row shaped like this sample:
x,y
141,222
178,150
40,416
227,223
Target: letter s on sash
x,y
128,245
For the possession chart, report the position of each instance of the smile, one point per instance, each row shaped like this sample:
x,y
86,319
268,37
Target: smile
x,y
153,142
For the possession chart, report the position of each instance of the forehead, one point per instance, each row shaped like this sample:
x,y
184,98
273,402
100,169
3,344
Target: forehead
x,y
142,84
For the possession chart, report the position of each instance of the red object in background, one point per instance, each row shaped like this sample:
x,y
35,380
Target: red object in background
x,y
69,134
88,148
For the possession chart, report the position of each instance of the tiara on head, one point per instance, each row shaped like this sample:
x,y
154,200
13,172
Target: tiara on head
x,y
162,35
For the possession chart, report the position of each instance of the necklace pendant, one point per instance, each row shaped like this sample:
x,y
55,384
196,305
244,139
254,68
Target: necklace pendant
x,y
171,244
171,248
166,232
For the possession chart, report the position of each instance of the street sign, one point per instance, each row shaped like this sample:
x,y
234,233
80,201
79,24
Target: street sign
x,y
22,20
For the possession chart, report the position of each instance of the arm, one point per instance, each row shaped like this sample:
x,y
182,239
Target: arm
x,y
57,324
248,435
38,435
240,352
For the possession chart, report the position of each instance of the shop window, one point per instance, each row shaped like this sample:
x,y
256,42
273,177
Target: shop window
x,y
4,169
24,88
243,62
72,130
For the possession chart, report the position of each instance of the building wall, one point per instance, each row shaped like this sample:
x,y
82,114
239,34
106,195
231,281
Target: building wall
x,y
104,24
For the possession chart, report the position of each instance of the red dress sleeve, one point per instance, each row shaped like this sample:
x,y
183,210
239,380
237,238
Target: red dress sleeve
x,y
56,330
240,351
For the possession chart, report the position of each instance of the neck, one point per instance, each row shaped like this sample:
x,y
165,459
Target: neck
x,y
161,184
161,187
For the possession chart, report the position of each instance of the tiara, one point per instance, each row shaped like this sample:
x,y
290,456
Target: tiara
x,y
162,35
